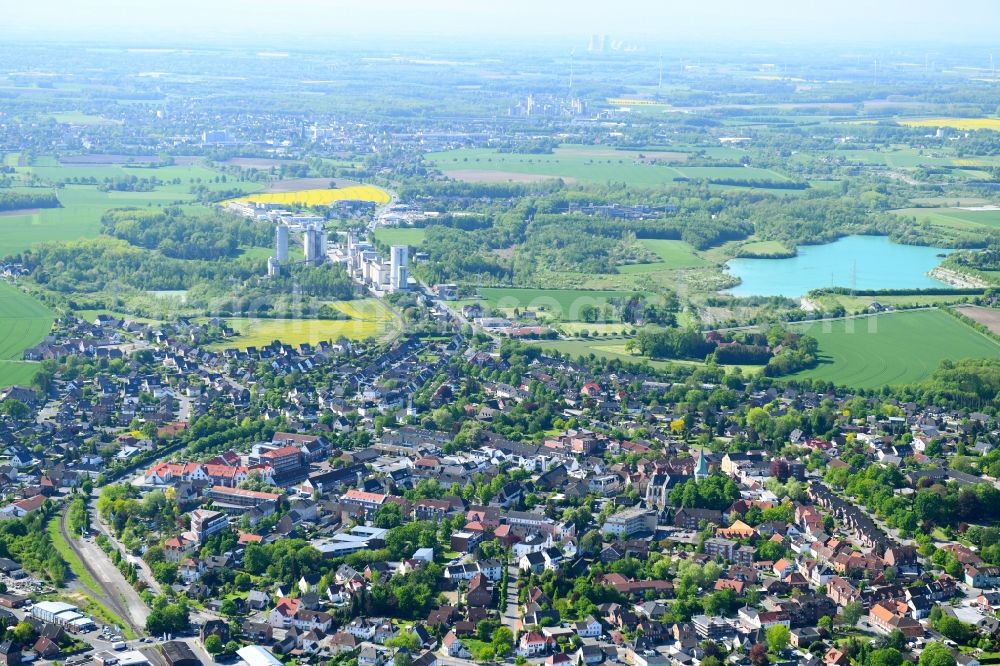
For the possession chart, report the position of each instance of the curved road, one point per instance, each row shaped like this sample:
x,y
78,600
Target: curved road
x,y
116,589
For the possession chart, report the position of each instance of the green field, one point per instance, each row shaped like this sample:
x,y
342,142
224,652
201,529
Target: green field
x,y
368,318
614,349
564,304
893,348
592,166
764,249
23,323
860,303
737,172
79,217
573,328
673,254
954,218
400,235
83,205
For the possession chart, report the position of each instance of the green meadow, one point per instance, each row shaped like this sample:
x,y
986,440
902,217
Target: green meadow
x,y
673,254
563,304
892,348
24,322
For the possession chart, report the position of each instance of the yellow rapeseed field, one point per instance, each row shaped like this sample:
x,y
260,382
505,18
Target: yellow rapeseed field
x,y
954,123
632,101
320,197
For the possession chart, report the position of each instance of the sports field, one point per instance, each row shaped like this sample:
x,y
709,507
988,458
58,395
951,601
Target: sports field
x,y
892,348
400,235
368,318
673,254
23,323
564,304
956,218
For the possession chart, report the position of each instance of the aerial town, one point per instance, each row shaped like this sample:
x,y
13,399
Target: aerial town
x,y
323,345
650,523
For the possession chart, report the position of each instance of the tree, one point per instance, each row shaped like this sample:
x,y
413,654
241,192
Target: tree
x,y
852,613
885,657
778,637
404,640
503,641
388,515
758,654
229,608
936,654
23,632
213,644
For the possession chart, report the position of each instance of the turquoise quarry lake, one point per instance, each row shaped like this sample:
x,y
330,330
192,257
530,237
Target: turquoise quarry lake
x,y
859,262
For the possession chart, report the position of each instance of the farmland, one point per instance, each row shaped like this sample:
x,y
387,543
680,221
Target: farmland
x,y
321,197
476,165
367,318
23,323
956,218
965,124
673,254
79,217
83,205
586,164
892,349
988,317
564,304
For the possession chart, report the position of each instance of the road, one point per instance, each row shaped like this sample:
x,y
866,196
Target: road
x,y
510,616
119,596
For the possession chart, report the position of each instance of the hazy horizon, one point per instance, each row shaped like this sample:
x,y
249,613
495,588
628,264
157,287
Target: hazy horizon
x,y
311,24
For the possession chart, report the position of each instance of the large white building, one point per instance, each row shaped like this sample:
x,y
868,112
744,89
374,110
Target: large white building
x,y
281,243
314,244
398,273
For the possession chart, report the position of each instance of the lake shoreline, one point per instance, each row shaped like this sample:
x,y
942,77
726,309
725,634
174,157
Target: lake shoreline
x,y
862,262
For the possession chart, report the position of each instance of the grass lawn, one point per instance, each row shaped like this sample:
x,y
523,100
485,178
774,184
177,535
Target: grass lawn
x,y
24,322
673,254
412,236
564,304
368,318
892,348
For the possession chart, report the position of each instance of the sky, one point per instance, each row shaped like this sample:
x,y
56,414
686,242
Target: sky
x,y
311,23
